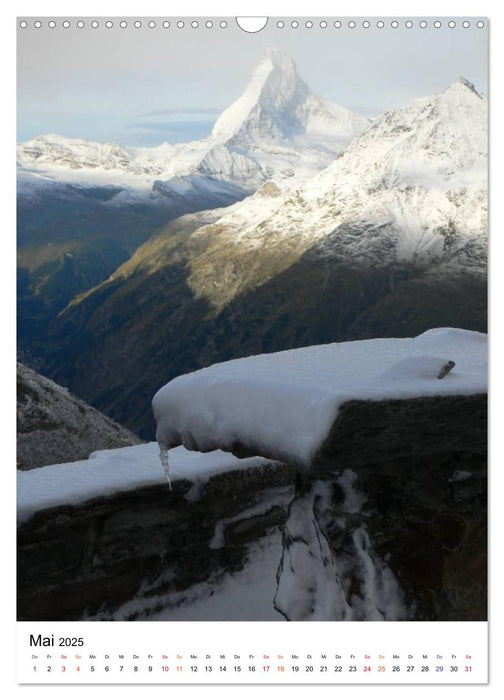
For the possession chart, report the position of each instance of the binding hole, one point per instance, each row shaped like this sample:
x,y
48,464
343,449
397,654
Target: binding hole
x,y
251,25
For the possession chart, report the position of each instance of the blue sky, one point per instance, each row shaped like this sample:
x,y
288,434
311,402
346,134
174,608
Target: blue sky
x,y
140,87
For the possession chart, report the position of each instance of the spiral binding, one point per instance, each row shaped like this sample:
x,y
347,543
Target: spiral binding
x,y
224,23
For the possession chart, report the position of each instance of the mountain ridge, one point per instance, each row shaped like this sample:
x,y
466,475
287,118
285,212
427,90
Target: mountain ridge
x,y
389,240
276,107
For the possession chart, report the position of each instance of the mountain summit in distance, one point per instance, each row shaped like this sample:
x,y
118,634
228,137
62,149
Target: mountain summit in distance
x,y
278,106
388,241
276,111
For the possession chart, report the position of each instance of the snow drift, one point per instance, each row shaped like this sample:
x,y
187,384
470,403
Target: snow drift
x,y
282,405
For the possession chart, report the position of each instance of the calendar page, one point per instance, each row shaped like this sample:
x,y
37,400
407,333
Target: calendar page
x,y
252,350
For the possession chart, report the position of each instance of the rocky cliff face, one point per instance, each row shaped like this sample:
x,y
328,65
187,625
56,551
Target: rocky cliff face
x,y
394,514
390,523
54,427
87,560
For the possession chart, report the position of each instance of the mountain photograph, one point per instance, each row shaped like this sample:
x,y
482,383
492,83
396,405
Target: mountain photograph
x,y
252,355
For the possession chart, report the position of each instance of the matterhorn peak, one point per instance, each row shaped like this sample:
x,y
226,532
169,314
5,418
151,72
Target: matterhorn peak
x,y
279,71
267,107
278,105
279,58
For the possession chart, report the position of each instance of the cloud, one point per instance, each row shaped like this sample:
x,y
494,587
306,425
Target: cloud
x,y
192,125
192,111
155,133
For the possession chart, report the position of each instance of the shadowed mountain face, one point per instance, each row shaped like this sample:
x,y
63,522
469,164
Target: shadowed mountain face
x,y
122,342
71,239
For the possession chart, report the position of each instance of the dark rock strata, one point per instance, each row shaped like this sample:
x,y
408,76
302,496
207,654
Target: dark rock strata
x,y
76,561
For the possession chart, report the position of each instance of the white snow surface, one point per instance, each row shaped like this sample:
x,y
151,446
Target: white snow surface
x,y
111,471
282,405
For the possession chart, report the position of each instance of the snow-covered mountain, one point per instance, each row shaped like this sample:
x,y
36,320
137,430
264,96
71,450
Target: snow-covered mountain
x,y
278,106
412,190
388,240
54,150
276,129
418,176
84,207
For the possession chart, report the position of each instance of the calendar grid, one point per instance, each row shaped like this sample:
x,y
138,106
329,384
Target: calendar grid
x,y
350,653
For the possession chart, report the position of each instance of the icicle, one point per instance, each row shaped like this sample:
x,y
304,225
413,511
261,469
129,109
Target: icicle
x,y
163,456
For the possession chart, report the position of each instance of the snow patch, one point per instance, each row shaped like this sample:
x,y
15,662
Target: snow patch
x,y
283,405
346,582
108,472
309,587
